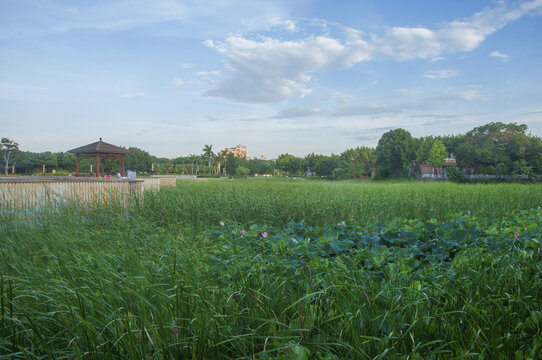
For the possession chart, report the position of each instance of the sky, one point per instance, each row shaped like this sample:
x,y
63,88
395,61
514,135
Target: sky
x,y
302,76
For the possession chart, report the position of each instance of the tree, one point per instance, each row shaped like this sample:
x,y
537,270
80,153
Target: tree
x,y
394,153
357,162
242,171
290,164
208,153
47,160
138,160
437,154
423,148
257,166
488,146
8,147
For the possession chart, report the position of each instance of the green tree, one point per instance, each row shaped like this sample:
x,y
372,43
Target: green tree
x,y
231,163
242,171
357,162
422,148
138,160
208,153
290,164
8,147
488,146
66,161
437,154
395,153
47,160
257,166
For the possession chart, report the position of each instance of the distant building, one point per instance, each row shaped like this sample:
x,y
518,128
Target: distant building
x,y
430,172
239,151
263,158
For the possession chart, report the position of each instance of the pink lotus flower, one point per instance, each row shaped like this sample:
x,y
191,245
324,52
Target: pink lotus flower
x,y
264,234
174,331
338,224
468,212
516,235
221,223
243,232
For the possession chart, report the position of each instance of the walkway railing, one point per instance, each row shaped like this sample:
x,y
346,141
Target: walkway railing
x,y
26,195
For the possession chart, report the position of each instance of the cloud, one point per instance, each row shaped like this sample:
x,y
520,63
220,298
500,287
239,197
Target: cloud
x,y
284,24
270,70
454,96
296,112
264,70
209,43
364,110
503,57
177,82
208,78
189,16
440,74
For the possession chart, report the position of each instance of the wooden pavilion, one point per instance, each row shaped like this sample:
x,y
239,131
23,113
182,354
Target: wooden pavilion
x,y
101,151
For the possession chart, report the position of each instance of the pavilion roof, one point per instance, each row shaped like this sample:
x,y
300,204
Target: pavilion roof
x,y
99,147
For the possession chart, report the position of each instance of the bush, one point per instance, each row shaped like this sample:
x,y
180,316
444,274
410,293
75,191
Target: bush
x,y
455,174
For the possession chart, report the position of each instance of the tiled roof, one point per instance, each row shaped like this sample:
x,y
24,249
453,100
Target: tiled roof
x,y
99,147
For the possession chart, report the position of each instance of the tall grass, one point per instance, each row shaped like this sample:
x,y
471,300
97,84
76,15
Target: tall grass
x,y
204,204
158,281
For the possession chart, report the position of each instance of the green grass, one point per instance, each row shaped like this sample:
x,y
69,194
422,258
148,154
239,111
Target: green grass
x,y
276,202
164,280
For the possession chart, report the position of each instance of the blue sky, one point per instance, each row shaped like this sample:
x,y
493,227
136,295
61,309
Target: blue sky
x,y
169,76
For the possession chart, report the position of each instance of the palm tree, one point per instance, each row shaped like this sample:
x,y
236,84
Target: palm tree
x,y
222,158
208,153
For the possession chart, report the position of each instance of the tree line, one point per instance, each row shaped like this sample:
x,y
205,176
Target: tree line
x,y
492,149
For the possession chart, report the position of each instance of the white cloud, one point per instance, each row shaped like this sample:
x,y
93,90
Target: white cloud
x,y
177,82
296,112
455,96
440,74
503,57
285,24
187,66
270,70
209,43
208,78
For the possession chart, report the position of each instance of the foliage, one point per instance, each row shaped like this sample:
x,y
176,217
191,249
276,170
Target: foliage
x,y
242,171
454,173
497,144
138,160
277,202
290,164
122,284
437,154
395,152
8,147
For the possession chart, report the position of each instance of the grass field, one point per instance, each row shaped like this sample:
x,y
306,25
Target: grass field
x,y
299,270
276,202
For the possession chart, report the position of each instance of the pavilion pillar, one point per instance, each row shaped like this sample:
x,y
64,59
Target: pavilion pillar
x,y
122,170
103,167
97,165
77,165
